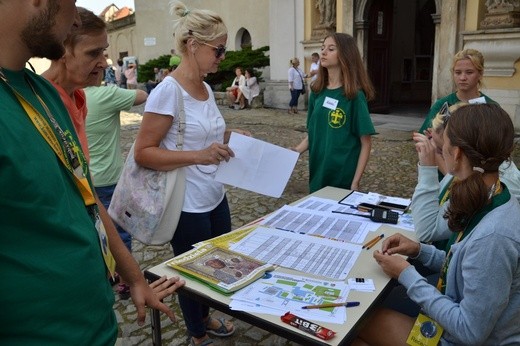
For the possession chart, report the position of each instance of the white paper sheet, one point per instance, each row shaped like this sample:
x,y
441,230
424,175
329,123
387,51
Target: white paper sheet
x,y
323,204
305,253
258,166
277,293
324,224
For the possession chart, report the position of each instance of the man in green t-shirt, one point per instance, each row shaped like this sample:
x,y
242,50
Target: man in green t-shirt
x,y
103,127
175,60
54,288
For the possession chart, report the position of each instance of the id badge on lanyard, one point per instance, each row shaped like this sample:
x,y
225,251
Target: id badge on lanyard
x,y
105,249
425,332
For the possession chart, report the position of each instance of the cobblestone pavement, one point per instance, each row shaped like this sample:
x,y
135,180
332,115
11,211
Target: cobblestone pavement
x,y
391,171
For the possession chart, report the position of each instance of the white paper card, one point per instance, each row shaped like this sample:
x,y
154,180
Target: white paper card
x,y
330,103
258,166
361,284
477,100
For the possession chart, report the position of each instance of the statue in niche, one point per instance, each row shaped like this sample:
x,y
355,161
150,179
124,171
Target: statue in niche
x,y
327,10
501,14
502,5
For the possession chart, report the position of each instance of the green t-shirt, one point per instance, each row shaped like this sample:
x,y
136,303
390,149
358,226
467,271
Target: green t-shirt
x,y
451,99
334,137
175,60
103,127
54,287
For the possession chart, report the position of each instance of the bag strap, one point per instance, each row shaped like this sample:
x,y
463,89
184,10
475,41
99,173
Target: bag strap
x,y
299,74
181,114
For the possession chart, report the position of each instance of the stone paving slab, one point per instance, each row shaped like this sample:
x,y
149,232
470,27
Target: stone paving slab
x,y
391,171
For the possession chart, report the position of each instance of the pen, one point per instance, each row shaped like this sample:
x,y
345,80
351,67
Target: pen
x,y
369,243
361,208
375,241
345,213
331,305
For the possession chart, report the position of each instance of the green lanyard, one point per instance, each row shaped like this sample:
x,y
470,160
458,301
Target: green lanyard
x,y
68,156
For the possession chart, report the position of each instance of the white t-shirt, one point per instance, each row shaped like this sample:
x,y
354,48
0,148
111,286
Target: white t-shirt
x,y
204,126
314,67
296,77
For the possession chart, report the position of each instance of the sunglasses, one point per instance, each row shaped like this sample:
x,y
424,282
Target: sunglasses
x,y
219,51
445,112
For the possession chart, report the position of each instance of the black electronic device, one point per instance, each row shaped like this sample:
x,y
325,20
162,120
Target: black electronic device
x,y
377,215
384,216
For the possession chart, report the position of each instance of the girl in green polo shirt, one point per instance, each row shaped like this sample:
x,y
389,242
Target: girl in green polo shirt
x,y
338,121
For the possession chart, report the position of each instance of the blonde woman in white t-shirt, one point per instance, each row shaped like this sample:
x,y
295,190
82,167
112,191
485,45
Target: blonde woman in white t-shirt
x,y
200,38
296,85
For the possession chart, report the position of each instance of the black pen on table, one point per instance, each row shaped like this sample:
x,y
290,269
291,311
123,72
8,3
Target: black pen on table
x,y
332,305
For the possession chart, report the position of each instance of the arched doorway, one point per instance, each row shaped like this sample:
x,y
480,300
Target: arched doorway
x,y
243,39
400,51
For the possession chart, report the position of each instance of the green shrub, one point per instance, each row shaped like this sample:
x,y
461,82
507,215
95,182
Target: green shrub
x,y
245,58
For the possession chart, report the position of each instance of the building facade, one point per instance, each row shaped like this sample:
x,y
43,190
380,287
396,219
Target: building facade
x,y
407,45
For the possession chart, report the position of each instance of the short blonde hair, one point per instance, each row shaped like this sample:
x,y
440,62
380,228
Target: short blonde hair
x,y
202,25
293,61
438,123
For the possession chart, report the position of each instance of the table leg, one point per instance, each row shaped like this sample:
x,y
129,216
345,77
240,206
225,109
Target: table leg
x,y
155,315
156,327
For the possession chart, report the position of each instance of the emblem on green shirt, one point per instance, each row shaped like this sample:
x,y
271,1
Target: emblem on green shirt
x,y
337,118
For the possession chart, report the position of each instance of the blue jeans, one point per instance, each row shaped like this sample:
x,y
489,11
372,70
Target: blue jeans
x,y
193,228
105,196
295,94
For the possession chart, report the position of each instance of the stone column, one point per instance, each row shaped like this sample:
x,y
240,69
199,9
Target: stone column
x,y
286,34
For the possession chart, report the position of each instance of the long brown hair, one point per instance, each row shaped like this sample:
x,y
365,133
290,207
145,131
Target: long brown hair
x,y
353,72
485,135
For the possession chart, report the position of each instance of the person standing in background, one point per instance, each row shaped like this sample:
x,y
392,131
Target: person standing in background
x,y
338,121
175,60
296,84
120,76
158,77
103,128
468,71
131,76
110,75
315,65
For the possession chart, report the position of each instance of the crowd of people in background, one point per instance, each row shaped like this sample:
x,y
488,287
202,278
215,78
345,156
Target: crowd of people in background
x,y
124,74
